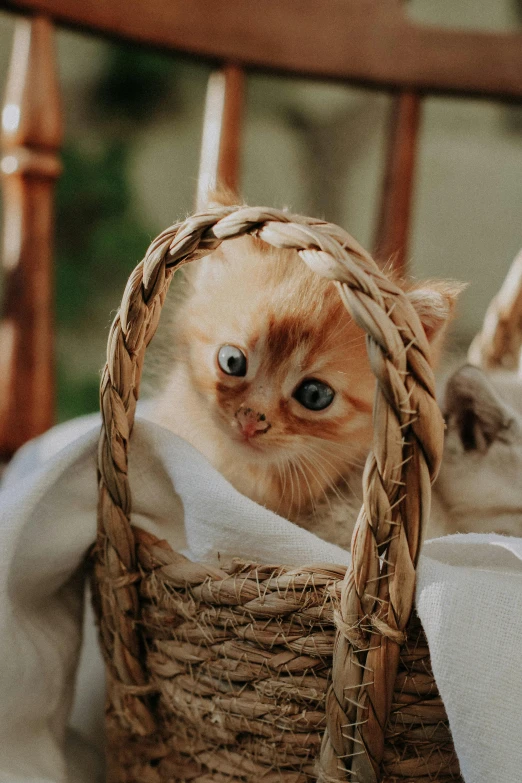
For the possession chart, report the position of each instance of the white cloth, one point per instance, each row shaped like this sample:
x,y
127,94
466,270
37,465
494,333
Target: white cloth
x,y
469,591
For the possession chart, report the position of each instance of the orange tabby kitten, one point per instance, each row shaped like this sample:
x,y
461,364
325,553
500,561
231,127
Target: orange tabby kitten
x,y
272,383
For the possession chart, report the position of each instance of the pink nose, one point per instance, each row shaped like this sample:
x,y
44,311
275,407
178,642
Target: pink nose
x,y
251,423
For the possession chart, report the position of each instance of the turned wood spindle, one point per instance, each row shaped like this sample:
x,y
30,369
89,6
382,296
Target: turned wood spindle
x,y
221,142
393,232
31,138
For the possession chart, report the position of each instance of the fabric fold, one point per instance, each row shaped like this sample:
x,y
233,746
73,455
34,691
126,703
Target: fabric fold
x,y
467,594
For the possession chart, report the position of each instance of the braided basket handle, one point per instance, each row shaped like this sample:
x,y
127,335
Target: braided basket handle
x,y
377,593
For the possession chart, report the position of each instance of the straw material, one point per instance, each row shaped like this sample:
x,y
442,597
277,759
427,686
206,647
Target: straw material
x,y
253,672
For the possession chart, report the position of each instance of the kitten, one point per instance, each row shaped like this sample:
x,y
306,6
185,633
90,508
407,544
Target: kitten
x,y
479,488
271,380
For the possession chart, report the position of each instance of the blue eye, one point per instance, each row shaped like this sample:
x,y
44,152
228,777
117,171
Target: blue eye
x,y
314,395
232,360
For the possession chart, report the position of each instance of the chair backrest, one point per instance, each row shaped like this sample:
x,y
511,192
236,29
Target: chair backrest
x,y
371,43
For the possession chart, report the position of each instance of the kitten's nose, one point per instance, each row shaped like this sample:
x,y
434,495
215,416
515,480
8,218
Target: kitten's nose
x,y
250,422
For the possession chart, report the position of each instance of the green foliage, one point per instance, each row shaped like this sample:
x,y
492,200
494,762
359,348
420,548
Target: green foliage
x,y
76,396
100,236
137,81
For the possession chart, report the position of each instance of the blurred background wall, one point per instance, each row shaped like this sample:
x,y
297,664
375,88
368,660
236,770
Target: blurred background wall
x,y
133,130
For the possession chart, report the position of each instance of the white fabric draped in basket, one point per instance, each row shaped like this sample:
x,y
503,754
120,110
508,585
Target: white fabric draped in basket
x,y
468,597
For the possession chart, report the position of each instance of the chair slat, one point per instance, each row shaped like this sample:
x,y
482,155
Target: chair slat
x,y
31,136
370,42
221,142
394,221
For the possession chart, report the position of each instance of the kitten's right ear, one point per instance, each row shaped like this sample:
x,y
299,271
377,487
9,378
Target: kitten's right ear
x,y
435,302
474,409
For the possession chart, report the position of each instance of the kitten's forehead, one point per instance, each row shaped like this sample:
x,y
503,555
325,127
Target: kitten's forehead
x,y
285,335
294,345
250,261
269,301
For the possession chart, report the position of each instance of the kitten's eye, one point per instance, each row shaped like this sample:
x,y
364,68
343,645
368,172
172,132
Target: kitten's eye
x,y
314,395
232,360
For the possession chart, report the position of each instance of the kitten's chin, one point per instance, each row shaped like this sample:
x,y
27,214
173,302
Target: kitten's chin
x,y
252,450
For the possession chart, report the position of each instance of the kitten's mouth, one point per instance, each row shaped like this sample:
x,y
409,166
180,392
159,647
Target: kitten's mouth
x,y
256,446
252,443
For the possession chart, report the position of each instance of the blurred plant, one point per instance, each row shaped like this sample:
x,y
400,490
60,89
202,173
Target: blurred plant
x,y
100,237
137,82
76,394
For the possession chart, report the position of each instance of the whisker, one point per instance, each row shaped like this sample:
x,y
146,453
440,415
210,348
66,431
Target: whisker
x,y
310,450
321,487
329,447
292,466
282,477
332,486
315,461
303,471
289,466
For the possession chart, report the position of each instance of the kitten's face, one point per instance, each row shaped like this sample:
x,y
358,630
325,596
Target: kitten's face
x,y
273,384
283,371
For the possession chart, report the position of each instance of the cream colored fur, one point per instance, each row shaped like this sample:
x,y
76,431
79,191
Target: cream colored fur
x,y
479,488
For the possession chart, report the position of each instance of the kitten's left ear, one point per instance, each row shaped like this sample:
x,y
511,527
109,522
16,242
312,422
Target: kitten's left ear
x,y
435,302
475,411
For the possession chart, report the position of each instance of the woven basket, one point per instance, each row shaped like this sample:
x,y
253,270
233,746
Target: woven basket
x,y
253,672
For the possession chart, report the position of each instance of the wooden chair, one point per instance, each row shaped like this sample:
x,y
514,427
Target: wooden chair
x,y
354,41
370,43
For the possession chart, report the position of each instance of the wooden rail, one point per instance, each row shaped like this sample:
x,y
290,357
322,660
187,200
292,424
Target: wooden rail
x,y
359,41
393,227
354,41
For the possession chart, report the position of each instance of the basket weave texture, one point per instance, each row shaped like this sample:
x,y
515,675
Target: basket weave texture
x,y
253,672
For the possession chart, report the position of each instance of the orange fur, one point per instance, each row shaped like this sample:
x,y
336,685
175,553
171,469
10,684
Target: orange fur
x,y
292,326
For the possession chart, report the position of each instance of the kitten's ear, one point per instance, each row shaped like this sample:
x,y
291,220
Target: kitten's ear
x,y
221,196
435,302
474,410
